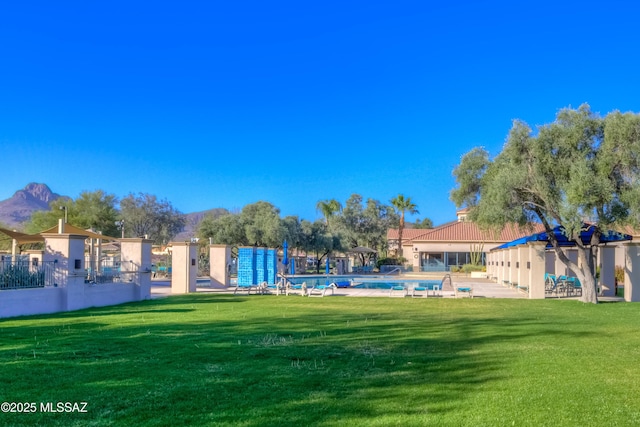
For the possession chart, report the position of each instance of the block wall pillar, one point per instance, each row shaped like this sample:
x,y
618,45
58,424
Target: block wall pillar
x,y
184,267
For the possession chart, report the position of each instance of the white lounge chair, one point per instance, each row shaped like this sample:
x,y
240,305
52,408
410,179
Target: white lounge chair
x,y
321,290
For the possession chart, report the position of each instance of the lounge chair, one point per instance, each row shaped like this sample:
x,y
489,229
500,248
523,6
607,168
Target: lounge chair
x,y
395,289
247,288
573,286
462,290
292,288
420,291
321,290
274,288
552,284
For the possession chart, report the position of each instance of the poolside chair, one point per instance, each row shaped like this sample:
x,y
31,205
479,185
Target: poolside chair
x,y
292,288
398,290
423,290
573,286
247,288
463,290
274,288
321,290
551,284
420,291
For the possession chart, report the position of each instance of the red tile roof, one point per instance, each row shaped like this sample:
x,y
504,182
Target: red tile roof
x,y
462,231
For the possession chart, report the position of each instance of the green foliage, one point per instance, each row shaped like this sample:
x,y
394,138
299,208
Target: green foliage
x,y
223,230
475,254
619,274
262,224
468,268
401,206
144,214
426,223
365,224
92,209
387,261
329,209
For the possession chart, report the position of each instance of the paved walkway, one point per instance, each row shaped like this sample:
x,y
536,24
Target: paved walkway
x,y
482,288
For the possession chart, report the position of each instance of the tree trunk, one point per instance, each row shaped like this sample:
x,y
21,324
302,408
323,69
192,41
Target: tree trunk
x,y
584,274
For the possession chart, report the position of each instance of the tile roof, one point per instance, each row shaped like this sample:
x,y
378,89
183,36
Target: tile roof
x,y
462,231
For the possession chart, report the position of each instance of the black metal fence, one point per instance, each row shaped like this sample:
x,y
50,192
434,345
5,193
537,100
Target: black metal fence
x,y
22,274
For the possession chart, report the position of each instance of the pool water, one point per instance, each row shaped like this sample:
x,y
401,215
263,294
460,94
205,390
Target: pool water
x,y
364,282
388,284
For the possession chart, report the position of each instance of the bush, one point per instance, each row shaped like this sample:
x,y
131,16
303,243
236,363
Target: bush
x,y
468,268
619,274
388,261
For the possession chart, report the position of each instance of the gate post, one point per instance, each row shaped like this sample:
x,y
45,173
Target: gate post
x,y
220,265
135,256
68,249
184,267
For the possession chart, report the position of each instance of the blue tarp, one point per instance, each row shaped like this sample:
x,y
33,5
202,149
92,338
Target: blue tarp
x,y
585,235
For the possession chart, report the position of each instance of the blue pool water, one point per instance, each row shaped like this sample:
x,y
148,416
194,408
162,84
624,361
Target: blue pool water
x,y
364,282
387,284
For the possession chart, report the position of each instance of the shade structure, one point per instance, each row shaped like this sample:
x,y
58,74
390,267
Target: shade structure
x,y
22,238
586,233
327,267
293,266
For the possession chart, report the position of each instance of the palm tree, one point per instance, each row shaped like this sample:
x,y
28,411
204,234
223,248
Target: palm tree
x,y
328,208
403,205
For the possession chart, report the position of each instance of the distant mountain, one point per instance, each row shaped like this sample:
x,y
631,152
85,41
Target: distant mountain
x,y
18,209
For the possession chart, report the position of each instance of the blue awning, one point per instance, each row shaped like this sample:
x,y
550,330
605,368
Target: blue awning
x,y
586,233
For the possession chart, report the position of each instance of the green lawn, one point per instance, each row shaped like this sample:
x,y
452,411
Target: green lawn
x,y
264,360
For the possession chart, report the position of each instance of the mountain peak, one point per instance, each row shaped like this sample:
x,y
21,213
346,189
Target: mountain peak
x,y
18,209
40,193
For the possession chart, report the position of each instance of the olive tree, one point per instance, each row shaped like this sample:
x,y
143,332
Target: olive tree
x,y
581,168
144,214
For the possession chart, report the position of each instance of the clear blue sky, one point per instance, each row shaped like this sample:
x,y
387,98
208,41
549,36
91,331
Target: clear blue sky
x,y
225,103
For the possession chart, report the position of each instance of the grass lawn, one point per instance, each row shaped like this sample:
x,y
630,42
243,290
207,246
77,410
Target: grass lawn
x,y
264,360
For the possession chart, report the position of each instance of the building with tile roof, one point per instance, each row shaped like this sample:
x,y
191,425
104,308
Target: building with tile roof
x,y
451,244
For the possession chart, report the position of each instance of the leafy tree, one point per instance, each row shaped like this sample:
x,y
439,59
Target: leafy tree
x,y
329,209
92,209
262,224
224,230
316,239
424,224
402,205
580,168
144,215
365,225
292,231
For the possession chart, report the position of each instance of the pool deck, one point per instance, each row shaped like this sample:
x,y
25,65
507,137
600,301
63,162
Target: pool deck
x,y
482,288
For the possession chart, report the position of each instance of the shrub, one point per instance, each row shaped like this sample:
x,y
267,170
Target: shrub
x,y
468,268
619,274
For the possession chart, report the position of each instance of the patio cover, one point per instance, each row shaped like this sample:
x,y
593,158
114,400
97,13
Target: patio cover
x,y
608,236
22,238
72,229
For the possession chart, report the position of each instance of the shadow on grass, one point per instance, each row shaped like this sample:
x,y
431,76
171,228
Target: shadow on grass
x,y
254,361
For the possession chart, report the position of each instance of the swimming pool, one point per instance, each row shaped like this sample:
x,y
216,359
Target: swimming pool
x,y
388,284
342,281
365,282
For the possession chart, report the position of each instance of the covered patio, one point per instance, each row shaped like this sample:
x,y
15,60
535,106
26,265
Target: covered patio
x,y
524,263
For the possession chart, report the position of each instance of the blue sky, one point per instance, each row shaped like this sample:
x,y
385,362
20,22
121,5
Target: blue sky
x,y
222,104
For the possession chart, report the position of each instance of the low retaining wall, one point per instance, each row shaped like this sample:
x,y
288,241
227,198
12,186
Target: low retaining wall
x,y
24,302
